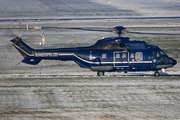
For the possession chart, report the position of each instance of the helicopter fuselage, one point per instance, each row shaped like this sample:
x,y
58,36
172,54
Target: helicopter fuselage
x,y
106,55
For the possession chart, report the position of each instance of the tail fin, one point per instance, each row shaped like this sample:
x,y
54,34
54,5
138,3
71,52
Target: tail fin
x,y
23,48
26,51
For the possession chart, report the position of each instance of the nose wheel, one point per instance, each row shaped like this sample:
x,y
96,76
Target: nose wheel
x,y
100,73
156,73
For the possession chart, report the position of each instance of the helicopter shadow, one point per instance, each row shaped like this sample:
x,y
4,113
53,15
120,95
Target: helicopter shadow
x,y
164,74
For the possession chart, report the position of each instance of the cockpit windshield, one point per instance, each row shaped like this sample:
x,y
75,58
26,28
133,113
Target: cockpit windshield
x,y
163,53
159,53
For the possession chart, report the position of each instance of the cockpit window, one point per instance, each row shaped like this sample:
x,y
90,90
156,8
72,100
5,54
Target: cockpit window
x,y
162,53
158,55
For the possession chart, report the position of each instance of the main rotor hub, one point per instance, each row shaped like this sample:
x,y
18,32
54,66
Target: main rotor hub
x,y
119,30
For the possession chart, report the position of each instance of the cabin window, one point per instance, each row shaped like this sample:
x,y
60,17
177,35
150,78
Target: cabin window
x,y
124,55
104,56
132,55
90,57
118,55
138,56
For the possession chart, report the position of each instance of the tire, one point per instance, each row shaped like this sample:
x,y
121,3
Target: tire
x,y
156,73
100,73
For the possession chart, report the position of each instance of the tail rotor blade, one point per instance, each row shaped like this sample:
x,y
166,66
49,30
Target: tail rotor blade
x,y
22,29
30,38
6,49
9,32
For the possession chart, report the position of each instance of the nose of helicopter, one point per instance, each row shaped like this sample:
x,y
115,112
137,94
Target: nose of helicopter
x,y
174,62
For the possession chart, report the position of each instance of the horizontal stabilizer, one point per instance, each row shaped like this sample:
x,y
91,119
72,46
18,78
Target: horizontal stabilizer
x,y
31,61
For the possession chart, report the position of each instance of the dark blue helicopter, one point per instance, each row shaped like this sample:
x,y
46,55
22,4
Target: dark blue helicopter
x,y
106,55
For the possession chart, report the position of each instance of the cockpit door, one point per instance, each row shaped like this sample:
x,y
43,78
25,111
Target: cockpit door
x,y
121,59
155,57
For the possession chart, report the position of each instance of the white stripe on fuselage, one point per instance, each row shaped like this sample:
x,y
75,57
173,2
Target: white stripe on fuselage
x,y
91,62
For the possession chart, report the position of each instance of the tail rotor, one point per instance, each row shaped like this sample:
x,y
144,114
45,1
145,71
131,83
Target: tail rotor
x,y
23,32
20,31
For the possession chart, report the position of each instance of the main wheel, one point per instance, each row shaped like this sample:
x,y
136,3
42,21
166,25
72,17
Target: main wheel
x,y
156,73
100,73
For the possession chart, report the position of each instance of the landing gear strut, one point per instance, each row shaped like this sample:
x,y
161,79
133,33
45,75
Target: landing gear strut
x,y
156,73
100,73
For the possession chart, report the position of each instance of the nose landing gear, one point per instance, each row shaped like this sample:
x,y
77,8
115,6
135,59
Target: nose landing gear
x,y
100,73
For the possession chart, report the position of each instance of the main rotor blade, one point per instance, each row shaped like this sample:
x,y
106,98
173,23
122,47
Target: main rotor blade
x,y
153,33
119,29
61,33
110,28
79,28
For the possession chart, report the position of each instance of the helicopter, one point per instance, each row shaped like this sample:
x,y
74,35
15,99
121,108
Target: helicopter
x,y
107,55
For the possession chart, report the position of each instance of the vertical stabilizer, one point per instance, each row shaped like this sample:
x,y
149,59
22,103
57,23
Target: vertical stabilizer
x,y
23,48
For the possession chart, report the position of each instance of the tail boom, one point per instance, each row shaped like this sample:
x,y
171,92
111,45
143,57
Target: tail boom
x,y
33,57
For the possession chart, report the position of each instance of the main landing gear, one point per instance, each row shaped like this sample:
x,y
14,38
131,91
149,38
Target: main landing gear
x,y
100,73
156,73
